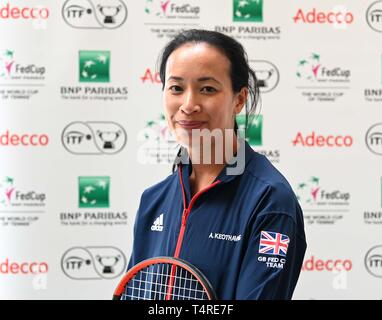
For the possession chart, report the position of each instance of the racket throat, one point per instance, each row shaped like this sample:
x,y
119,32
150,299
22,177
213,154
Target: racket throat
x,y
185,214
171,281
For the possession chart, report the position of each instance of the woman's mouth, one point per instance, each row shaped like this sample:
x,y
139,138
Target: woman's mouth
x,y
188,125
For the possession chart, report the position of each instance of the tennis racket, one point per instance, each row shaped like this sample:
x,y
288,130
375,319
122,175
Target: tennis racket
x,y
164,278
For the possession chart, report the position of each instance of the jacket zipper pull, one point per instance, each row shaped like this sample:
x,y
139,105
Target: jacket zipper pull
x,y
184,216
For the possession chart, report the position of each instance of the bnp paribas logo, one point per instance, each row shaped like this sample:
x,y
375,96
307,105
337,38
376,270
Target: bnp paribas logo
x,y
248,10
94,66
254,132
93,192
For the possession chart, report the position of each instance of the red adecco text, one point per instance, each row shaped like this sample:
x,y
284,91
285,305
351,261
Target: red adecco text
x,y
151,76
314,264
317,140
14,139
7,267
319,17
14,12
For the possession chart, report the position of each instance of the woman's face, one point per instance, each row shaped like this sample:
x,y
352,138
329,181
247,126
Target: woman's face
x,y
198,91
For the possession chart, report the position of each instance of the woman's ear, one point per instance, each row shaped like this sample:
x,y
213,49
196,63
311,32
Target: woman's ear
x,y
240,99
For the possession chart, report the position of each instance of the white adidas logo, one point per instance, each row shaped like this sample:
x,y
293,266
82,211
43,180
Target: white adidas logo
x,y
158,224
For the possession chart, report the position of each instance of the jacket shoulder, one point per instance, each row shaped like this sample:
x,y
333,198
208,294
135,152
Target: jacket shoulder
x,y
278,195
161,187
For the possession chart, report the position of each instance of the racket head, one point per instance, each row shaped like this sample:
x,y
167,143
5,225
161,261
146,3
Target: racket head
x,y
151,279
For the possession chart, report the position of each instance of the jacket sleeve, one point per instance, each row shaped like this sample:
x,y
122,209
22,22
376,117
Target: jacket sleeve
x,y
272,259
133,257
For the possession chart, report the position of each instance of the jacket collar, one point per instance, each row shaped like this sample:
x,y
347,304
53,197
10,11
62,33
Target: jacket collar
x,y
230,172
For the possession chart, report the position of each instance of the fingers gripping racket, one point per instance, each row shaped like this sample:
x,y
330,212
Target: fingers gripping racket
x,y
164,278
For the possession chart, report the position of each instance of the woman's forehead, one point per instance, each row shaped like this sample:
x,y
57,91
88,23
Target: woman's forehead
x,y
196,58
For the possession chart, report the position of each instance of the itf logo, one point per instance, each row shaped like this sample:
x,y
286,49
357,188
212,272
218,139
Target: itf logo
x,y
94,66
267,75
373,261
374,16
93,263
374,139
94,14
95,137
93,192
248,10
254,133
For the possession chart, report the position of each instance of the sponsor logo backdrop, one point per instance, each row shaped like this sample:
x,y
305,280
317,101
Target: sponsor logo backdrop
x,y
82,133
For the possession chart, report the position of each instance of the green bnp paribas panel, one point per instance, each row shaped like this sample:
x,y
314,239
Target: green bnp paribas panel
x,y
254,132
248,10
93,192
94,66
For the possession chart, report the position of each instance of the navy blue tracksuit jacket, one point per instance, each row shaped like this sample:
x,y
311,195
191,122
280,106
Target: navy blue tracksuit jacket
x,y
244,232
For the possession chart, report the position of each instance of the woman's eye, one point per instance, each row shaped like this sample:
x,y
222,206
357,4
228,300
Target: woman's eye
x,y
208,89
175,89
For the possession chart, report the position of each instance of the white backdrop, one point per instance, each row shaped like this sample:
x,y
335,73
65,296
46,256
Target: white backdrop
x,y
82,133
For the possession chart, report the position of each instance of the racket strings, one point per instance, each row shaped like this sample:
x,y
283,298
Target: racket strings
x,y
164,282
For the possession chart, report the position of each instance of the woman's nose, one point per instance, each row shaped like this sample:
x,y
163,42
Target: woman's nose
x,y
190,103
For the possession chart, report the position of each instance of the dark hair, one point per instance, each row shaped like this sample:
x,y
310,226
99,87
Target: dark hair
x,y
240,72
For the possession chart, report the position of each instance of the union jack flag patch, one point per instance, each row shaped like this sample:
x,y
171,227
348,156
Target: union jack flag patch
x,y
273,243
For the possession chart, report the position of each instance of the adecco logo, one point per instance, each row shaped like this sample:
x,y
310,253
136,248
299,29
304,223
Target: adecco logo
x,y
373,261
27,140
314,264
14,12
316,140
7,267
340,16
374,139
151,76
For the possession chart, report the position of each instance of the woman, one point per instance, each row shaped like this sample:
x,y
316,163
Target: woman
x,y
225,209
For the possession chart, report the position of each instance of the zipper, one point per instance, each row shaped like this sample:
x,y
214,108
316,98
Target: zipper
x,y
181,233
187,211
185,215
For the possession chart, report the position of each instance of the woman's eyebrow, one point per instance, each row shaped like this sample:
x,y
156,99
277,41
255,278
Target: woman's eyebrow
x,y
175,78
201,79
208,79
